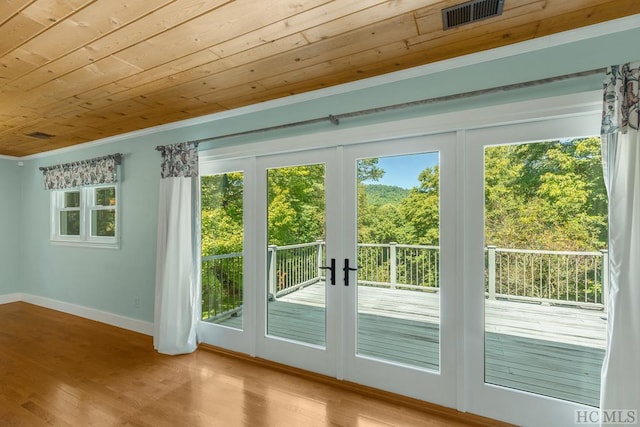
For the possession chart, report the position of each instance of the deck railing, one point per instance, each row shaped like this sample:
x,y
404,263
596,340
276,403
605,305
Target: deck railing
x,y
221,285
553,277
549,277
292,267
399,266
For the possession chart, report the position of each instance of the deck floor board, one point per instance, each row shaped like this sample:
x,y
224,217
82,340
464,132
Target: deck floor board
x,y
552,350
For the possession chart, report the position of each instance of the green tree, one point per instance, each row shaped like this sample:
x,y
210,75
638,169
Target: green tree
x,y
547,195
421,208
368,170
383,224
296,204
380,219
221,213
380,194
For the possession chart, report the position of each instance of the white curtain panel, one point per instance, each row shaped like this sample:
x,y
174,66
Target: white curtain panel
x,y
620,389
177,262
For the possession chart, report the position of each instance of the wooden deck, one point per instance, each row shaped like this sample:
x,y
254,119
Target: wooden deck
x,y
550,350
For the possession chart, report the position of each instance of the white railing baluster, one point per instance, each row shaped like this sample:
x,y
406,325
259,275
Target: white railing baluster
x,y
575,280
492,271
605,278
584,290
320,260
272,270
393,246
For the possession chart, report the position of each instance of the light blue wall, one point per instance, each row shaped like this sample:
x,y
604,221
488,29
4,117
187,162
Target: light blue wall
x,y
9,226
104,279
111,280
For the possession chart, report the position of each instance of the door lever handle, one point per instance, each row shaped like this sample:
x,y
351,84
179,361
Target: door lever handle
x,y
346,270
332,269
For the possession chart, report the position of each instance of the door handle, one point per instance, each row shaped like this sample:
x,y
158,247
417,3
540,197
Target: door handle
x,y
332,269
346,270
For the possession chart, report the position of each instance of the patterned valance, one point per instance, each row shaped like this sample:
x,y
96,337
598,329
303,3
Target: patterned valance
x,y
101,170
621,101
179,160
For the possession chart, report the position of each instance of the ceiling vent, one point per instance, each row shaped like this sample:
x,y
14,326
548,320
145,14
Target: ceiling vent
x,y
40,135
471,11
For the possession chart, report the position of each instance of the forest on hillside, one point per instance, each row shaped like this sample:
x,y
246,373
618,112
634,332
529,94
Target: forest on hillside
x,y
546,195
382,194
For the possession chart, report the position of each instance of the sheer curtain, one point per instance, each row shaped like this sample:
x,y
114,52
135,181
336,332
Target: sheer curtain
x,y
620,388
178,255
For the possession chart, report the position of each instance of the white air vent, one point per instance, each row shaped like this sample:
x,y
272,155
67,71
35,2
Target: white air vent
x,y
471,11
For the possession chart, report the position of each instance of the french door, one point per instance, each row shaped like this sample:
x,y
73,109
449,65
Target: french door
x,y
296,225
407,284
228,309
537,305
399,325
342,295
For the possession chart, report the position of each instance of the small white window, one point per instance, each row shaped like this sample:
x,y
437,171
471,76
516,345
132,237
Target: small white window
x,y
86,216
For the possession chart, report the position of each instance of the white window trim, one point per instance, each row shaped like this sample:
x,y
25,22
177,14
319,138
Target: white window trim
x,y
85,239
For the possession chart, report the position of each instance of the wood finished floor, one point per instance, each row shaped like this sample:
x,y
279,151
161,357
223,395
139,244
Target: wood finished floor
x,y
61,370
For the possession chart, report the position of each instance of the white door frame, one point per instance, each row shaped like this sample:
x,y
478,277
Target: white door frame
x,y
437,387
515,406
568,115
305,356
239,340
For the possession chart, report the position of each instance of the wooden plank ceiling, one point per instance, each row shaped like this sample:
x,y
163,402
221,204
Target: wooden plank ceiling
x,y
81,70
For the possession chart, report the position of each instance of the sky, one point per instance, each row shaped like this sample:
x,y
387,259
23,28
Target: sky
x,y
403,171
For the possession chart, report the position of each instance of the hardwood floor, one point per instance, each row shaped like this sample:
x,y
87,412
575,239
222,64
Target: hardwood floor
x,y
61,370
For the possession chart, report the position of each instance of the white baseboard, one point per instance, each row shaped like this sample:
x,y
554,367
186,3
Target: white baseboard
x,y
117,320
9,298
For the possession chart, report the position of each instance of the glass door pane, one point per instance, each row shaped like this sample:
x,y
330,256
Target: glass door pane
x,y
296,299
545,277
222,248
398,292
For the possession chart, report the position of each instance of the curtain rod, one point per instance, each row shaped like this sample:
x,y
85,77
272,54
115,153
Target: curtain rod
x,y
117,157
335,119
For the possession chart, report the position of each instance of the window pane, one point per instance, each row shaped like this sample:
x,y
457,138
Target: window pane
x,y
103,223
296,298
70,223
222,241
546,241
398,293
72,199
106,196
